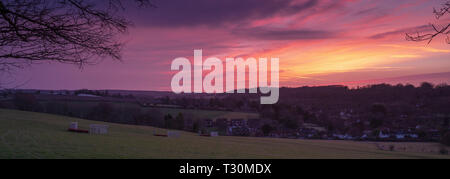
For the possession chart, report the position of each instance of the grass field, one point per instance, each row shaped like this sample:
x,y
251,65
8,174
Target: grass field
x,y
36,135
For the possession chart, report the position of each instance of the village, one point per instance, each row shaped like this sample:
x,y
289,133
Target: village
x,y
251,128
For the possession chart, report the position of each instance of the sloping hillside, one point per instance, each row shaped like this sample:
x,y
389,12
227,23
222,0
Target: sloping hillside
x,y
36,135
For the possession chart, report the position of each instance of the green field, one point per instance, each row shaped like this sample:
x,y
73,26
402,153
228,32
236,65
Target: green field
x,y
36,135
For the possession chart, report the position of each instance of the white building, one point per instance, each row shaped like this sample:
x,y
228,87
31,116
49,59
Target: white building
x,y
88,95
400,136
98,129
383,136
73,125
174,134
214,134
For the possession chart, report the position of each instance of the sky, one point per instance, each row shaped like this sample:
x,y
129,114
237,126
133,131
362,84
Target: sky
x,y
318,42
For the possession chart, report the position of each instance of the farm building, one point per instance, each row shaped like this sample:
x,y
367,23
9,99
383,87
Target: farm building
x,y
73,125
174,134
98,129
214,134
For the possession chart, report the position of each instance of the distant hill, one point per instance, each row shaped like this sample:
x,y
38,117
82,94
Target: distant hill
x,y
416,80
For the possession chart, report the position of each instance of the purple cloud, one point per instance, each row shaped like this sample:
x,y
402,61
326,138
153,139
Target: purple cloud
x,y
182,13
283,34
400,32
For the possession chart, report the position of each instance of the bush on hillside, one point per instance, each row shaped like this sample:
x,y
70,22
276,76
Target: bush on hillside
x,y
446,139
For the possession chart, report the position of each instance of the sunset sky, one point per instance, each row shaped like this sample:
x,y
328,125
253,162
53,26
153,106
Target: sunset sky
x,y
318,42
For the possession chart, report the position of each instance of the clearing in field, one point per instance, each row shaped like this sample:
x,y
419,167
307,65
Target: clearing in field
x,y
36,135
81,107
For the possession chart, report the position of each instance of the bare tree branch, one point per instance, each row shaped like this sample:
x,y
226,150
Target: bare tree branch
x,y
444,10
443,30
67,31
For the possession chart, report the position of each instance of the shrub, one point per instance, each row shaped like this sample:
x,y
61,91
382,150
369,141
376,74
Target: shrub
x,y
24,102
174,123
446,139
266,129
102,112
391,148
443,151
57,108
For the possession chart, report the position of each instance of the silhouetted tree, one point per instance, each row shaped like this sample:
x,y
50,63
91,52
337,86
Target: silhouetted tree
x,y
222,125
291,124
66,31
156,117
170,122
378,113
24,101
437,29
179,122
102,112
266,129
446,139
57,108
426,86
379,109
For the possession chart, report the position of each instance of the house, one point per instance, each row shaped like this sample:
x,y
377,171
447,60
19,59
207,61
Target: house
x,y
209,123
413,136
307,132
274,134
238,123
238,131
339,136
88,95
434,135
364,137
345,115
400,136
348,137
383,135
